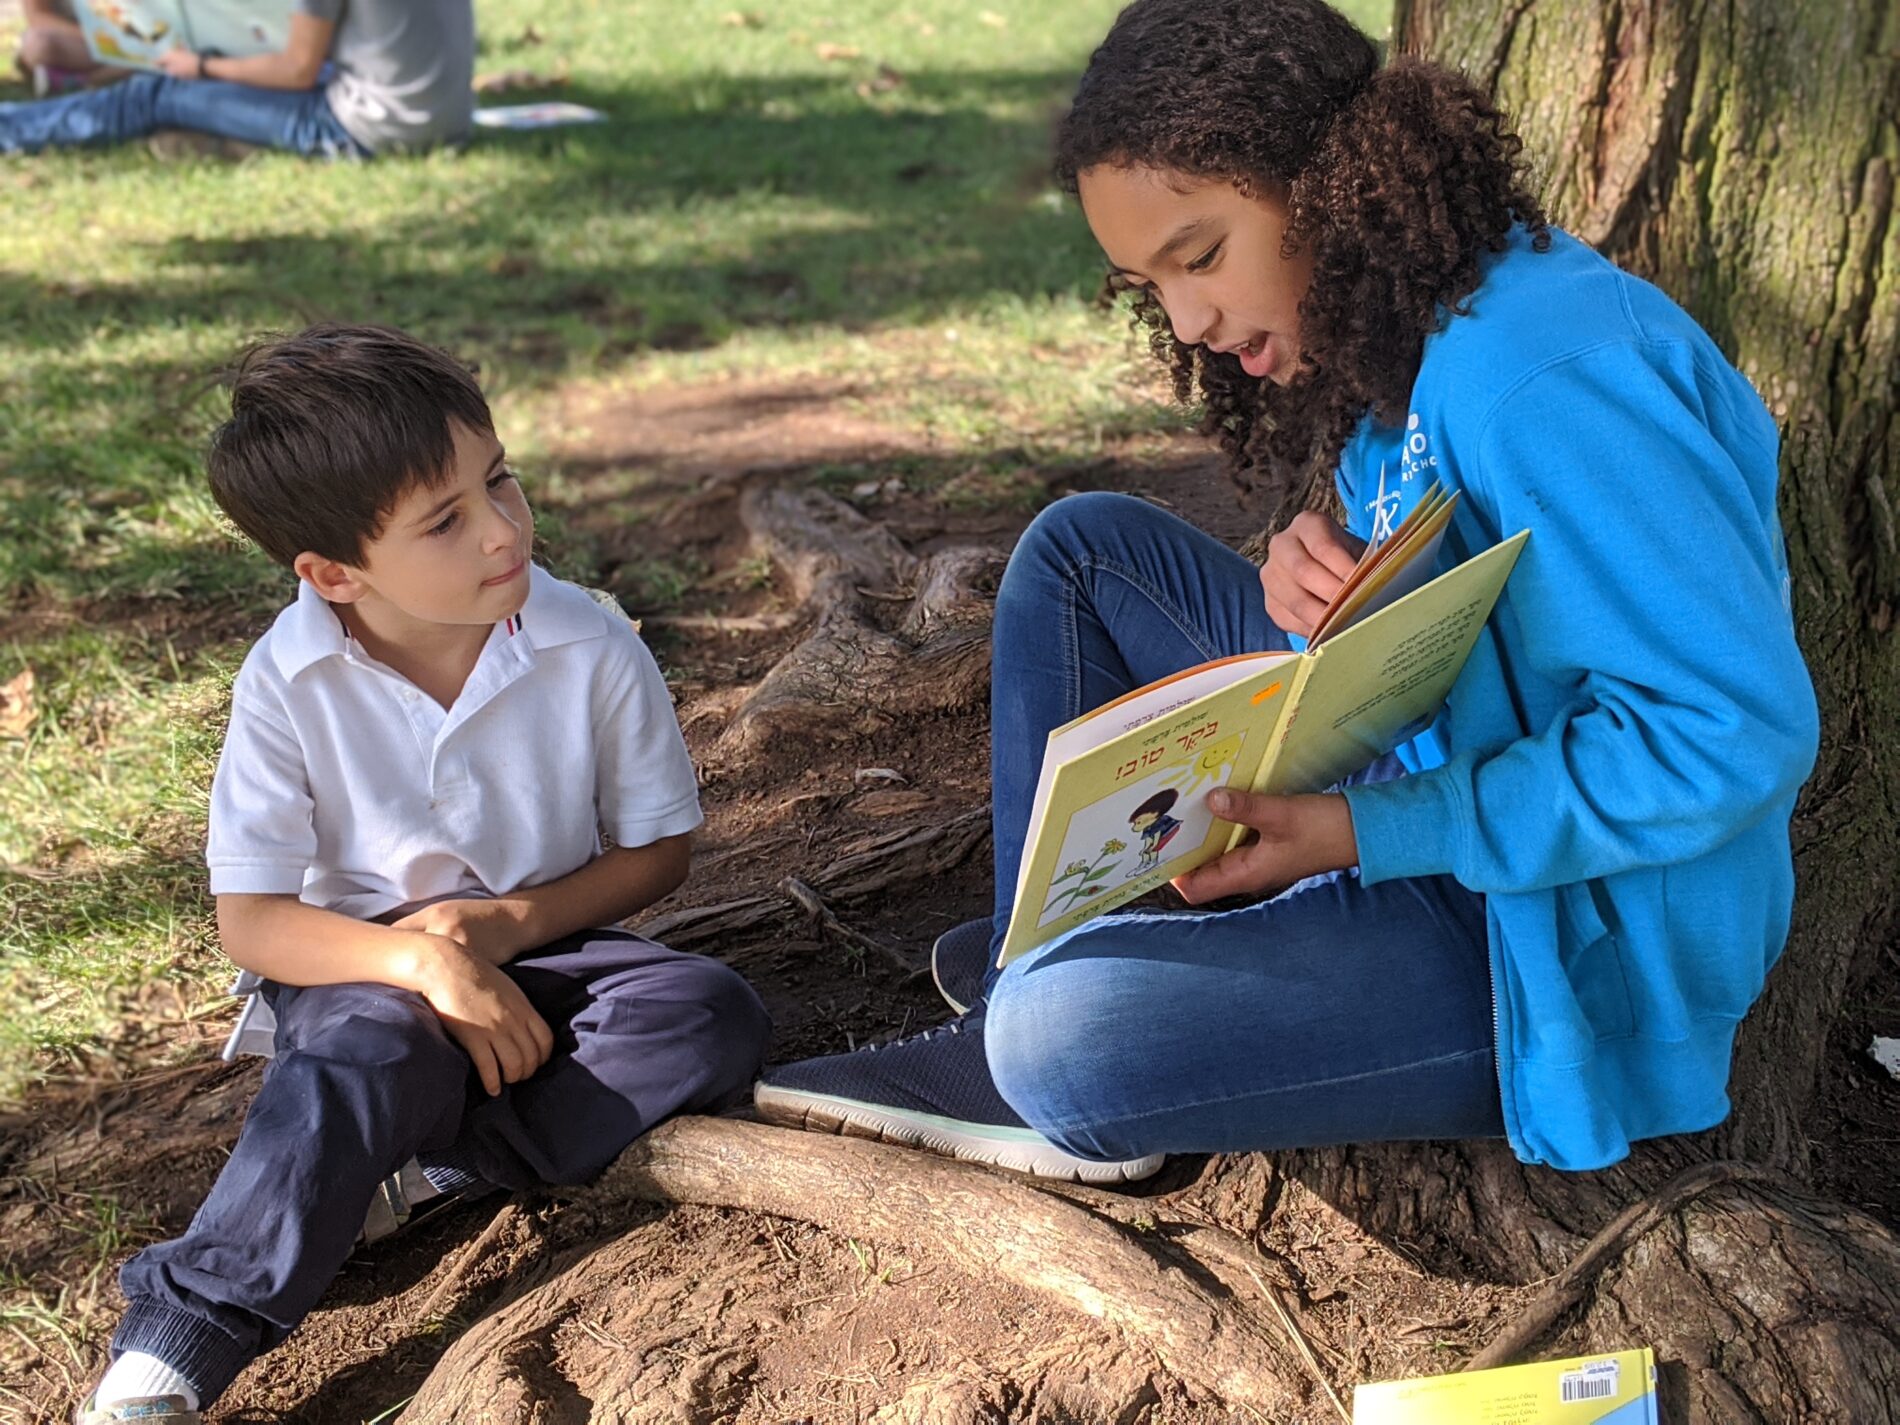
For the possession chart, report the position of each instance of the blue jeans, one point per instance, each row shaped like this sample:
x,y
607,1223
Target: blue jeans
x,y
298,121
1334,1013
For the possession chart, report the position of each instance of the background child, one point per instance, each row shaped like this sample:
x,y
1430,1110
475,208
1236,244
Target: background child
x,y
355,78
405,843
1546,918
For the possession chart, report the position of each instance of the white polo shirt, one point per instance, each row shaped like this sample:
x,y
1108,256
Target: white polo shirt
x,y
345,784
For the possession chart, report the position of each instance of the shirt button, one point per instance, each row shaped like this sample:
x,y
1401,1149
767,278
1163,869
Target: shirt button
x,y
408,695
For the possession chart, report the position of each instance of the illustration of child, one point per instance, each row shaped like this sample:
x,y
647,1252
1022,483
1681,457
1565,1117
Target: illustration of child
x,y
1151,822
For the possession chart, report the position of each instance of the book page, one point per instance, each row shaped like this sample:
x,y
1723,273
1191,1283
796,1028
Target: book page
x,y
234,27
1413,569
1383,680
130,33
1118,819
1387,572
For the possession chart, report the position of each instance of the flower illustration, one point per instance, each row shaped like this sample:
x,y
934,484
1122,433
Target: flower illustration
x,y
1111,846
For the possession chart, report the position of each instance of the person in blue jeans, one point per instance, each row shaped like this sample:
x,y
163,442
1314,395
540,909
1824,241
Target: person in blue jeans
x,y
1544,917
356,78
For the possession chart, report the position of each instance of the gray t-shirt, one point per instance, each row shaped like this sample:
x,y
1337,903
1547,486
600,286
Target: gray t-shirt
x,y
405,69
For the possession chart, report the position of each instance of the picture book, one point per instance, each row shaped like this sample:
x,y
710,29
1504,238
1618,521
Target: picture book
x,y
554,114
1121,802
1614,1389
135,33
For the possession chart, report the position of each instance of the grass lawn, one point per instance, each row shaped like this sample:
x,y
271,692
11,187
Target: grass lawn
x,y
844,189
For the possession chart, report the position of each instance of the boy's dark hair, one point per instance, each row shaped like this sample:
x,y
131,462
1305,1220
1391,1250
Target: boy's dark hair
x,y
1396,179
329,428
1157,805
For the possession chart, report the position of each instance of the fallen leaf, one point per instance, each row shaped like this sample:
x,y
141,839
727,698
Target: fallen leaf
x,y
530,36
18,711
1886,1053
878,774
885,80
992,19
825,49
742,20
507,80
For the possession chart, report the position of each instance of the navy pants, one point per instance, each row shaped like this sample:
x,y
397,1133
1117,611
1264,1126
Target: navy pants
x,y
365,1078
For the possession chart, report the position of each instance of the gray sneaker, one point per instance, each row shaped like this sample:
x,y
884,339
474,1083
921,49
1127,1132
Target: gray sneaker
x,y
407,1197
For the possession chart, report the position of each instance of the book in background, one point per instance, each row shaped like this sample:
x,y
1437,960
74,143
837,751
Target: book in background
x,y
1121,801
555,113
1614,1389
133,34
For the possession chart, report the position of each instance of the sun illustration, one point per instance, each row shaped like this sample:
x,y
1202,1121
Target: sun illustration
x,y
1210,766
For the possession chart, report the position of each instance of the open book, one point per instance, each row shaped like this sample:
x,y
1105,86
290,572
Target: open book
x,y
1121,804
134,33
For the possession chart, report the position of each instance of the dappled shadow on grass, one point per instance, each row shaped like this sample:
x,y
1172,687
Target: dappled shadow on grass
x,y
706,207
703,207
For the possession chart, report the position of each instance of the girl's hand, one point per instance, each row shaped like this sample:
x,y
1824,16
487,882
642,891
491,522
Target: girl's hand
x,y
1298,837
1306,563
181,63
486,1013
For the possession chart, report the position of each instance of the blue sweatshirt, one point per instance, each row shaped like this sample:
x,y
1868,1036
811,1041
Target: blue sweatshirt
x,y
1617,765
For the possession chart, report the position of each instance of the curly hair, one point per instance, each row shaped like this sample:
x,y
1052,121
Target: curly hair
x,y
1396,179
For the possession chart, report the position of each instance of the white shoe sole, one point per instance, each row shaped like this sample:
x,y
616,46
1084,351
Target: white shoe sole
x,y
1021,1150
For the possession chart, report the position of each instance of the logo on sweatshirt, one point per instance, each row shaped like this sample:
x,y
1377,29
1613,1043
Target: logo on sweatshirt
x,y
1418,452
1415,459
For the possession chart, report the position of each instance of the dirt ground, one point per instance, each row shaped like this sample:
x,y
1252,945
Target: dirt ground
x,y
728,1316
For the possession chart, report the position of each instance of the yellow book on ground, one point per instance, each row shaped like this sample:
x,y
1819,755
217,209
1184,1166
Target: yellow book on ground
x,y
1121,802
1614,1389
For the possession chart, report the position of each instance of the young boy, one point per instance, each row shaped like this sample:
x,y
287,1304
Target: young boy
x,y
405,845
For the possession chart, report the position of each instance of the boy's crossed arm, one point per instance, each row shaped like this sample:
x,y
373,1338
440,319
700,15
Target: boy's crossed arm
x,y
617,883
448,952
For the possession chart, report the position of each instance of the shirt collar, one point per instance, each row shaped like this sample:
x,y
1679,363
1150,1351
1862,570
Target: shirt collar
x,y
309,630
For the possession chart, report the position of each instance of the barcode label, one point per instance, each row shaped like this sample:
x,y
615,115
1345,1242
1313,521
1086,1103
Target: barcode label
x,y
1593,1380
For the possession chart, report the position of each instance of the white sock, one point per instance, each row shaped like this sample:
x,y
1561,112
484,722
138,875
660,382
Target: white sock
x,y
135,1374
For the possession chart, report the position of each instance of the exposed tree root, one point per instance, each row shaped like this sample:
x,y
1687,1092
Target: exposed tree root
x,y
898,859
1774,1305
1146,1288
1570,1287
890,635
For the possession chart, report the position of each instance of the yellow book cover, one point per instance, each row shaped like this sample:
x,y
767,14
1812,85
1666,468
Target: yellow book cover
x,y
1614,1389
1120,805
